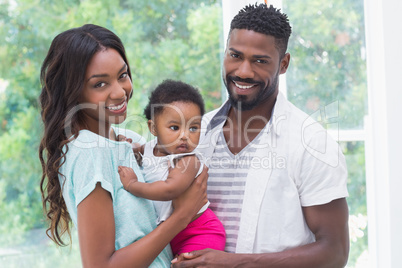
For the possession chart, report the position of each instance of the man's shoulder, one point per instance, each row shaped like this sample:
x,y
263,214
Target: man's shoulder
x,y
297,124
208,116
213,118
296,115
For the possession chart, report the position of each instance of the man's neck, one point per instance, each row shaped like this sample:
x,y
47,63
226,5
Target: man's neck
x,y
256,118
241,127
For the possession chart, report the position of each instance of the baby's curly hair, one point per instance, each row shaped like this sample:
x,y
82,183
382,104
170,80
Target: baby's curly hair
x,y
170,91
267,20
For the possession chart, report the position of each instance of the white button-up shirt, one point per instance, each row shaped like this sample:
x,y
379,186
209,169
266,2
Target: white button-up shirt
x,y
297,164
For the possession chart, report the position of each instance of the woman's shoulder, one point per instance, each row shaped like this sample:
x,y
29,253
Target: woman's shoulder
x,y
86,139
91,145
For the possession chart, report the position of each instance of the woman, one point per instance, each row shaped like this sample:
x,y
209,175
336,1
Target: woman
x,y
86,85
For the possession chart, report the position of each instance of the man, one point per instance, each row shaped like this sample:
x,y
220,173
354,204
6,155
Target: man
x,y
276,180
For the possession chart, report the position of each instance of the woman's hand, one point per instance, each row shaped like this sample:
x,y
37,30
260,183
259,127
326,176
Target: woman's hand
x,y
194,198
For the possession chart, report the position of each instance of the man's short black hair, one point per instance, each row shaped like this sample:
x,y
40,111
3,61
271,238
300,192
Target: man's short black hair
x,y
170,91
266,20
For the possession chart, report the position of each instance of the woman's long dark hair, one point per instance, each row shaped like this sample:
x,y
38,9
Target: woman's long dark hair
x,y
62,79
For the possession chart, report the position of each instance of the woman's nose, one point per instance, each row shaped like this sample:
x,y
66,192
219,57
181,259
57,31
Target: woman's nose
x,y
118,91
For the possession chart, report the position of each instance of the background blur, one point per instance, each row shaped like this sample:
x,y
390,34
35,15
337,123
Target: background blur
x,y
179,40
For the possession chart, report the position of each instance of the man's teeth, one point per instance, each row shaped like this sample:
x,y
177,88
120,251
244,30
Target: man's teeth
x,y
243,87
115,108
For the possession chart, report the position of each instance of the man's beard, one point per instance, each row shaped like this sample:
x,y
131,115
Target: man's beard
x,y
241,103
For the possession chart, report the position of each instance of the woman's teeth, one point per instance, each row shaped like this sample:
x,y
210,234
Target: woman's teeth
x,y
115,108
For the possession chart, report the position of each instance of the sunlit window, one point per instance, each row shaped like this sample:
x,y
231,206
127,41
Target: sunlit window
x,y
327,79
164,39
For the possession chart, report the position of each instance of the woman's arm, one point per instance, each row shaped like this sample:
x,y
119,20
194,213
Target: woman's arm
x,y
179,179
96,228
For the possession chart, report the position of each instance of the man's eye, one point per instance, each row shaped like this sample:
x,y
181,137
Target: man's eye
x,y
262,61
174,127
234,55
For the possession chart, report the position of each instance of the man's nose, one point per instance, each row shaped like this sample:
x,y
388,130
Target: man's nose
x,y
245,70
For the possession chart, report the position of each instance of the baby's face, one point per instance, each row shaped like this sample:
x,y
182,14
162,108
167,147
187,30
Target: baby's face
x,y
178,128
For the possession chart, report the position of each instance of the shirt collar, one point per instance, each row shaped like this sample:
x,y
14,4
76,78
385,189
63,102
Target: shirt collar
x,y
220,116
273,124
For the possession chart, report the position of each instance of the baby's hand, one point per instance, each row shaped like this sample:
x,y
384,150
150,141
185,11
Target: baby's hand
x,y
123,138
127,177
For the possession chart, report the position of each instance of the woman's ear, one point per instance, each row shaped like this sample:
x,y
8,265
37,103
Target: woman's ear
x,y
152,127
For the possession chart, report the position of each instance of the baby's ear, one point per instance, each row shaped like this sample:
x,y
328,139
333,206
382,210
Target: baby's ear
x,y
152,127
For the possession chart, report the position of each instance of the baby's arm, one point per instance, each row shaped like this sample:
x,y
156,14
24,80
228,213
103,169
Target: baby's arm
x,y
127,177
138,149
179,179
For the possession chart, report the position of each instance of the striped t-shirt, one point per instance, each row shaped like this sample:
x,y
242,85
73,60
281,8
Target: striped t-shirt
x,y
226,184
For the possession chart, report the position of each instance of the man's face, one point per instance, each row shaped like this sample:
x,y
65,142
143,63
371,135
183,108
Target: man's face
x,y
251,68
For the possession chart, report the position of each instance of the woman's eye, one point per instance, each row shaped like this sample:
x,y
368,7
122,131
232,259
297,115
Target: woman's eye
x,y
174,127
100,84
124,75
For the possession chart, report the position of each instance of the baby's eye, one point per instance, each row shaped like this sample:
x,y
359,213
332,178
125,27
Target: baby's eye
x,y
193,129
174,128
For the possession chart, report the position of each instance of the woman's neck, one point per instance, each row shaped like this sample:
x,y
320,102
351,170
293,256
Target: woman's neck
x,y
104,130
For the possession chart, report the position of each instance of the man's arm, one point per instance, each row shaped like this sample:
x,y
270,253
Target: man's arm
x,y
328,222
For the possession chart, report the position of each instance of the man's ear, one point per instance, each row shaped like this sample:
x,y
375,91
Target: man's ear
x,y
152,128
285,63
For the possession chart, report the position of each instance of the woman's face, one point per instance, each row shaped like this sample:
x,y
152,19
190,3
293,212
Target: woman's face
x,y
106,91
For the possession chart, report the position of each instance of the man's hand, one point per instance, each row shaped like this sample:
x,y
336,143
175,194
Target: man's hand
x,y
204,258
127,177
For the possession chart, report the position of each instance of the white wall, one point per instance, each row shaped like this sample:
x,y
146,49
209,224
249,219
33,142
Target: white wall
x,y
384,177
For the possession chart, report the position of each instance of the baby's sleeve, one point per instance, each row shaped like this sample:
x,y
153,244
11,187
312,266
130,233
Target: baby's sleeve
x,y
200,157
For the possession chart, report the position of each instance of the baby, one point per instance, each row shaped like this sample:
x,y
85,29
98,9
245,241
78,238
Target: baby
x,y
170,163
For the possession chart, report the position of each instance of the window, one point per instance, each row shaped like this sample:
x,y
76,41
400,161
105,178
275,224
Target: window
x,y
327,79
164,39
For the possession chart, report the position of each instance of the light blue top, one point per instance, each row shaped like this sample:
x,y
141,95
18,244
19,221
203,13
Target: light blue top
x,y
91,159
